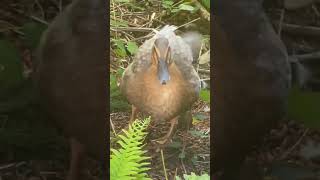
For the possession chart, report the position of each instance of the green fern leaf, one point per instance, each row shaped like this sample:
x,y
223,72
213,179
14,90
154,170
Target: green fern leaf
x,y
129,162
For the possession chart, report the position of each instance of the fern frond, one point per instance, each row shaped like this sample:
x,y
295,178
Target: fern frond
x,y
129,162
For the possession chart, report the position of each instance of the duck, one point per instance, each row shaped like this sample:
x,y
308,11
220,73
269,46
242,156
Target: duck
x,y
161,80
70,76
251,80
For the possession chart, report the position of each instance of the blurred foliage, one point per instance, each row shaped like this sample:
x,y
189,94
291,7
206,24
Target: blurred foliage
x,y
173,7
130,160
117,101
205,95
193,176
122,47
304,107
24,129
32,33
11,68
206,4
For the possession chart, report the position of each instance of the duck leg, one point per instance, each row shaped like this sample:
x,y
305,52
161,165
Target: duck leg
x,y
134,113
185,121
163,140
77,160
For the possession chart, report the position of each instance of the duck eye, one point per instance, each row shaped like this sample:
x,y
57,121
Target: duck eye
x,y
168,56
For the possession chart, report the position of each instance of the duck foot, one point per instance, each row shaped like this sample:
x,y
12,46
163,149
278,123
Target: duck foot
x,y
165,139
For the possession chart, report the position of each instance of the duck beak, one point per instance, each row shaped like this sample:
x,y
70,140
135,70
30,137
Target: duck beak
x,y
163,72
162,54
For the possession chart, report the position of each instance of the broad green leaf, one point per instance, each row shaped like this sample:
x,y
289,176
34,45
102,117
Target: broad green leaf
x,y
120,51
206,4
167,4
186,7
132,47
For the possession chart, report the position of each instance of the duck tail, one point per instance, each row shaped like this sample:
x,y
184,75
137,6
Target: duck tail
x,y
193,39
167,29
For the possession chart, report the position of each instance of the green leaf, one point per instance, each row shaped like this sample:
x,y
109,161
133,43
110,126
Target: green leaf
x,y
33,32
206,4
304,107
120,72
11,69
182,155
120,50
132,47
186,7
205,95
129,161
167,4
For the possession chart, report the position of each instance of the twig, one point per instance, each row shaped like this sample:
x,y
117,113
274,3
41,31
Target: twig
x,y
183,166
131,29
40,7
205,14
60,5
7,167
163,165
284,155
188,23
39,20
204,71
280,22
205,79
309,56
300,29
175,172
315,9
112,127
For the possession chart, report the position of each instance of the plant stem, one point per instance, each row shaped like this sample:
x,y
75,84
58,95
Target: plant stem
x,y
164,167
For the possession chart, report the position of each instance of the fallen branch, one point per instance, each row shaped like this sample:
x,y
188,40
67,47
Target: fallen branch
x,y
204,71
299,29
309,56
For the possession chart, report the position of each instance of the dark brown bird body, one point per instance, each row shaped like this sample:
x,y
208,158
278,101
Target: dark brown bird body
x,y
251,82
70,74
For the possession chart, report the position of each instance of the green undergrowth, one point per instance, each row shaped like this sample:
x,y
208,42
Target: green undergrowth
x,y
117,101
130,162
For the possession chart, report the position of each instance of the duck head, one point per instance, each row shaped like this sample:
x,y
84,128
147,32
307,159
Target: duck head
x,y
161,58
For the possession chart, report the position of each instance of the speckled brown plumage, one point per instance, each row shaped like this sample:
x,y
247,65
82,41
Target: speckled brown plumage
x,y
143,90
